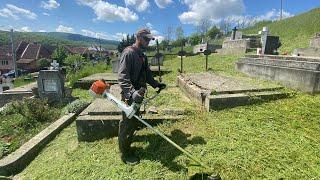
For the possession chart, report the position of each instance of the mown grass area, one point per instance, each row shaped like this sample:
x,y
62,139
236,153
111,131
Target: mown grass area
x,y
294,32
23,80
270,140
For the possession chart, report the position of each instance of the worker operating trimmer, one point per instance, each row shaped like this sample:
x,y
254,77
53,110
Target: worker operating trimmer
x,y
133,75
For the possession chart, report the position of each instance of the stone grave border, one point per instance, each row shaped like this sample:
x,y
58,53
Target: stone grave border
x,y
19,159
227,99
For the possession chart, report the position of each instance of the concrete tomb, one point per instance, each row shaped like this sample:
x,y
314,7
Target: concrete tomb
x,y
312,51
86,82
216,92
240,43
301,73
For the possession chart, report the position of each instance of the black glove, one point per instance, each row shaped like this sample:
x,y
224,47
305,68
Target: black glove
x,y
137,96
162,86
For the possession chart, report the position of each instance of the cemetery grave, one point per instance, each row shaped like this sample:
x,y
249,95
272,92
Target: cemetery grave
x,y
301,73
101,119
218,92
262,43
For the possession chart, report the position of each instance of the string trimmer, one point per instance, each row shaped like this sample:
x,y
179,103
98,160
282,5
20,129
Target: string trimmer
x,y
101,89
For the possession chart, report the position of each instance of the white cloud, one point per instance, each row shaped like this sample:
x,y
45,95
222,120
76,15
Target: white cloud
x,y
213,10
247,20
149,25
273,15
139,5
163,3
46,14
93,34
102,35
119,36
159,38
41,30
65,29
51,4
25,29
14,12
109,12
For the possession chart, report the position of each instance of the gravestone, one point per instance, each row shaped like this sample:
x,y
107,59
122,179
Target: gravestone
x,y
115,65
51,85
238,35
269,44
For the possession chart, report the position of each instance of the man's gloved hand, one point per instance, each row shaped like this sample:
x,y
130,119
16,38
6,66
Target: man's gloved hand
x,y
137,96
162,86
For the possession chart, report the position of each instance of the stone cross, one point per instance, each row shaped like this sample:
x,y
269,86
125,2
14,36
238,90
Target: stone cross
x,y
54,65
181,53
234,30
158,59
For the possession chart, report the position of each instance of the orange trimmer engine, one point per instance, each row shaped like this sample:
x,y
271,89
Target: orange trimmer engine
x,y
99,87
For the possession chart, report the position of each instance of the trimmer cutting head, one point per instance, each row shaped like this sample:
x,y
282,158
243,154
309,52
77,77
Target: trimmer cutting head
x,y
205,176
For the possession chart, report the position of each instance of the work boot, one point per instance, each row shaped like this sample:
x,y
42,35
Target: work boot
x,y
131,159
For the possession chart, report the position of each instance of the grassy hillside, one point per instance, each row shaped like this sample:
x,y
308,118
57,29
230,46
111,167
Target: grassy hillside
x,y
54,38
294,32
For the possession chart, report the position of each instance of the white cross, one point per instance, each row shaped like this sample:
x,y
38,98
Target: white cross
x,y
55,65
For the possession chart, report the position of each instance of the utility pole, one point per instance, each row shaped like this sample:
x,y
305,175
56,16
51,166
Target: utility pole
x,y
13,55
281,11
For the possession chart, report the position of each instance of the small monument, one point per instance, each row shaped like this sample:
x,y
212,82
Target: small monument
x,y
269,44
51,84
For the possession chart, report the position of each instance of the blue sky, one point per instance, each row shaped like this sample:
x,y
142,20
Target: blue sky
x,y
111,19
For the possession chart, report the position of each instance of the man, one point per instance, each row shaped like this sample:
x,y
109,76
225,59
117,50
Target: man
x,y
133,76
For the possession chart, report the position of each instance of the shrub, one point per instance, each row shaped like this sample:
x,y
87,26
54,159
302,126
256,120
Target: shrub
x,y
44,63
34,111
76,106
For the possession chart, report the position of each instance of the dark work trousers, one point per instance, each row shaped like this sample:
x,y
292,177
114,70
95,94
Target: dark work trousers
x,y
127,127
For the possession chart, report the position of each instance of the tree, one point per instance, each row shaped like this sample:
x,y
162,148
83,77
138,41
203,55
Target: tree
x,y
203,27
59,54
195,39
126,42
213,32
74,61
179,33
168,33
43,63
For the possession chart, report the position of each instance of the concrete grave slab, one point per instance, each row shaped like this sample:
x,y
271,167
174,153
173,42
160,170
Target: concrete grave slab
x,y
217,92
85,83
101,119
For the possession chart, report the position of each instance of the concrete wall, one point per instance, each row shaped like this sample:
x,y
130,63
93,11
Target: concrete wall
x,y
301,79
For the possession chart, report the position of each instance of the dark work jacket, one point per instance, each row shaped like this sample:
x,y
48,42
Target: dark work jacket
x,y
134,71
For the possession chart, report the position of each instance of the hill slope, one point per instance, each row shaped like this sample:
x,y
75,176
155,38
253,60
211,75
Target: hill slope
x,y
54,38
294,32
